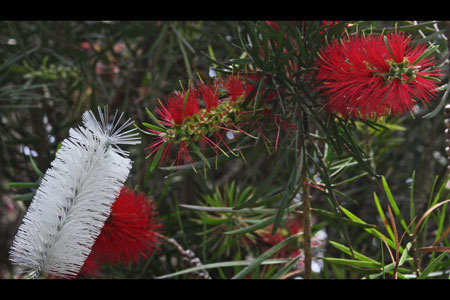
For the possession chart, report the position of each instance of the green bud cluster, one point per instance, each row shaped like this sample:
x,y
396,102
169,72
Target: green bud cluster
x,y
397,70
205,123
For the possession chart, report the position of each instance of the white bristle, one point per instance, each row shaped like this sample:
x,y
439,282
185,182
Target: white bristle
x,y
74,198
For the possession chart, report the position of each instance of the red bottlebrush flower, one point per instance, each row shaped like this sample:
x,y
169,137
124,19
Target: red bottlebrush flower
x,y
200,115
176,110
209,95
128,233
368,76
234,86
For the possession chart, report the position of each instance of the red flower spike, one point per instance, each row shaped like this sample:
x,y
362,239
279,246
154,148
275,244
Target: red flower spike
x,y
209,94
200,116
365,76
175,110
234,86
128,233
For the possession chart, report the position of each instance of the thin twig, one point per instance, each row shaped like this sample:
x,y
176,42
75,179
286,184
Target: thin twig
x,y
306,202
306,224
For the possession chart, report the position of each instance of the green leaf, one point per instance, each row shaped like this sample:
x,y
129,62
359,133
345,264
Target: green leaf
x,y
358,255
333,216
394,204
352,262
430,268
404,256
35,168
157,157
260,259
222,209
149,113
383,216
350,179
440,105
200,154
23,185
182,41
222,265
372,231
430,50
143,131
286,198
261,224
283,271
153,127
185,101
24,197
387,46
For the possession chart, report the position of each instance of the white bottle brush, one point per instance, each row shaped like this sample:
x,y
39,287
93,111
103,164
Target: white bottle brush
x,y
74,198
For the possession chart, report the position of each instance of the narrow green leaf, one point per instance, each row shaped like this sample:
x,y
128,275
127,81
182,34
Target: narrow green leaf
x,y
23,185
404,256
333,216
358,255
222,265
185,101
262,224
200,154
183,40
372,231
157,157
286,198
383,216
24,197
143,131
149,113
283,271
430,50
440,105
430,78
387,46
153,127
350,179
258,95
394,204
184,54
254,210
352,262
265,255
430,268
35,168
265,222
388,269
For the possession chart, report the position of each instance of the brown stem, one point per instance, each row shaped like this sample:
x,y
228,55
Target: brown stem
x,y
172,242
306,224
306,203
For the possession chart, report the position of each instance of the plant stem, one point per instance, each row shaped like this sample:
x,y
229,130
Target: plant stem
x,y
306,225
306,202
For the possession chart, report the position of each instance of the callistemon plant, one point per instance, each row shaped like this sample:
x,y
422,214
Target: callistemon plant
x,y
365,76
129,233
199,117
74,198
